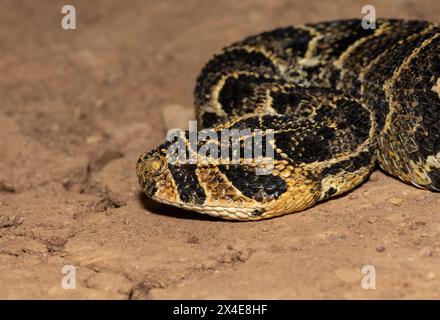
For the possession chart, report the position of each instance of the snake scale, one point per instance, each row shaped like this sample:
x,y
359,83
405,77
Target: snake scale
x,y
338,98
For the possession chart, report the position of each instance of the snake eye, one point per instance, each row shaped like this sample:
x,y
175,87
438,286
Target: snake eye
x,y
155,166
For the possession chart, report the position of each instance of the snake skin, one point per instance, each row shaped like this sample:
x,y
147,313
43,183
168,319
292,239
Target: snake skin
x,y
339,99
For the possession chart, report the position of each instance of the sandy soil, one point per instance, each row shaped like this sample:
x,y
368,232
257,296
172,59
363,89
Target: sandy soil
x,y
78,107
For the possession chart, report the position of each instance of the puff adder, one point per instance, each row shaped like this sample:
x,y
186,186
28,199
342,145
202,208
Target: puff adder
x,y
339,99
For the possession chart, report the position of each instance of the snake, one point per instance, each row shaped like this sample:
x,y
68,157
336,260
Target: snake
x,y
337,98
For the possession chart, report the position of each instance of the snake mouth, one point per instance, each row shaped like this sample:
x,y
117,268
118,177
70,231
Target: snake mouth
x,y
149,188
223,212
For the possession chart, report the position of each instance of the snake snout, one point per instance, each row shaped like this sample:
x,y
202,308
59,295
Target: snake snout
x,y
151,163
149,169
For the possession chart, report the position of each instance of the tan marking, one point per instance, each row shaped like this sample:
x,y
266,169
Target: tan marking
x,y
278,63
436,87
346,55
301,194
166,187
433,161
343,181
311,47
266,106
220,191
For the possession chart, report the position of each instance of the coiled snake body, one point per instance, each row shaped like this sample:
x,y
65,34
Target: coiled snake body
x,y
338,97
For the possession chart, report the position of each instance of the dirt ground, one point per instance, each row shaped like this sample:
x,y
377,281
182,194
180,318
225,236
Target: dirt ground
x,y
77,107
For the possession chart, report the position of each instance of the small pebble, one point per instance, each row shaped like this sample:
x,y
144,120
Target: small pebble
x,y
94,139
56,241
243,256
421,196
426,252
374,177
227,258
98,103
10,221
396,201
380,249
372,219
416,225
208,264
193,240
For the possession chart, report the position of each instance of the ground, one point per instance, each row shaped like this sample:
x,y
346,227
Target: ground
x,y
77,108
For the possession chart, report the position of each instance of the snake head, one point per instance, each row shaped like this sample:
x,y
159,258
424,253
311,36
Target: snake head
x,y
151,168
235,191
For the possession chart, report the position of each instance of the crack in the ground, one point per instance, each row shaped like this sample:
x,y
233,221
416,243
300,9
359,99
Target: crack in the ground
x,y
230,259
82,181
